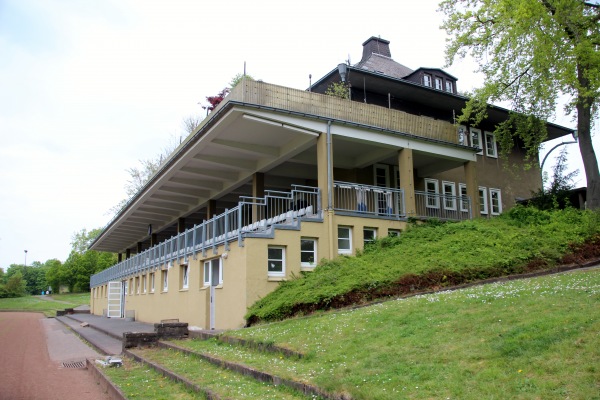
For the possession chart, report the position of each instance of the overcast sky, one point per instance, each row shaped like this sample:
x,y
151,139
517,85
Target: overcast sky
x,y
88,88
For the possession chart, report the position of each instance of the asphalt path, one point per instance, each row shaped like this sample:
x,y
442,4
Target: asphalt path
x,y
35,353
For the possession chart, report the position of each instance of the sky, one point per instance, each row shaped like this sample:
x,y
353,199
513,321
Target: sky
x,y
88,88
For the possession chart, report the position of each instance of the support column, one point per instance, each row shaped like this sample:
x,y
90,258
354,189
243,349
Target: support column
x,y
119,257
181,225
325,183
472,187
258,190
127,254
407,181
153,240
211,209
139,247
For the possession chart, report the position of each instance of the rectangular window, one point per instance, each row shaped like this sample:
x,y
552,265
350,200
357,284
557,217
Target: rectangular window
x,y
185,280
438,83
449,87
308,252
464,203
213,272
165,280
490,145
476,139
449,195
483,200
369,235
144,289
138,287
151,282
130,286
432,189
344,240
462,135
276,261
427,80
394,232
496,201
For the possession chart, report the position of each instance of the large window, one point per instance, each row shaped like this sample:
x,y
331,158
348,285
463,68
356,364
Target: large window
x,y
476,139
308,252
438,83
483,200
276,261
495,201
213,272
432,189
490,145
344,240
449,195
427,80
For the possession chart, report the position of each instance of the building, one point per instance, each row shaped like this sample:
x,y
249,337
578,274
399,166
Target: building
x,y
276,179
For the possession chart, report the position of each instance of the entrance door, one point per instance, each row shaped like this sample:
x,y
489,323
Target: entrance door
x,y
213,278
115,299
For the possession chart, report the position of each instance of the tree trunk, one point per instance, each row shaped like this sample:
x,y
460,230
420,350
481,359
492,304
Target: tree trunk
x,y
590,162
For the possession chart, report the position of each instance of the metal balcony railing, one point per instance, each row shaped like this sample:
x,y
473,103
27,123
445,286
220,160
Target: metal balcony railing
x,y
368,200
441,206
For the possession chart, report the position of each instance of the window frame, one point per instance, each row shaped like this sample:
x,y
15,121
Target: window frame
x,y
207,265
371,231
278,274
313,252
165,280
152,282
439,83
449,86
344,250
483,200
137,285
428,194
499,200
185,276
462,187
427,80
144,284
451,196
476,133
490,138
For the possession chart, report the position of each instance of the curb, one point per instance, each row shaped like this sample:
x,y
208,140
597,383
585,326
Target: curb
x,y
109,388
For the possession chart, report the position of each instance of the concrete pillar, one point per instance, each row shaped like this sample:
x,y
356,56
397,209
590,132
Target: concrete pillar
x,y
127,254
324,171
211,209
153,240
407,181
139,247
181,225
472,187
258,190
120,257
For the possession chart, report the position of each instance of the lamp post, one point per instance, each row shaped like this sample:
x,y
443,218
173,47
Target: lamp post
x,y
25,257
575,136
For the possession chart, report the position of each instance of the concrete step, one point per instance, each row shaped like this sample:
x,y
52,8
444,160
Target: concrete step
x,y
103,343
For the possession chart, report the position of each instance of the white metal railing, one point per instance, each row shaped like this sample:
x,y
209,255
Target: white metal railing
x,y
365,199
441,206
250,216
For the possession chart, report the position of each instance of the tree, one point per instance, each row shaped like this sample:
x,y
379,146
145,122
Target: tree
x,y
338,89
557,194
532,53
238,78
214,101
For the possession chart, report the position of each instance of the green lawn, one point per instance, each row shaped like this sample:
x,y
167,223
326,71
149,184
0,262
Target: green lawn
x,y
527,339
46,304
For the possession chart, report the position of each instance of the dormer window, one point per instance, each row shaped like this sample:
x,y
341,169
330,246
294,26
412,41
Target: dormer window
x,y
438,83
449,87
427,80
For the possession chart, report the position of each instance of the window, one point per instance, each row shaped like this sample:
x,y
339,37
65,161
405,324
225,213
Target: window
x,y
490,145
308,252
185,281
438,83
165,280
462,135
380,177
483,203
449,195
476,139
130,286
213,272
432,189
394,232
449,87
496,201
464,202
276,261
151,282
144,289
137,285
369,235
344,240
427,80
396,177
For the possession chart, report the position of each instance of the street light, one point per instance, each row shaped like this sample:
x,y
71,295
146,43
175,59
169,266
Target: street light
x,y
25,257
575,140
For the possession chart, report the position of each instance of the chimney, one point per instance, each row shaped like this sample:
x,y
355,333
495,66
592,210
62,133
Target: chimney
x,y
376,45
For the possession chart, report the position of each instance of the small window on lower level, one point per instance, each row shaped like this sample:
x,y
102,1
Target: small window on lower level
x,y
185,280
464,198
496,201
344,240
276,261
483,200
165,280
369,235
308,252
152,274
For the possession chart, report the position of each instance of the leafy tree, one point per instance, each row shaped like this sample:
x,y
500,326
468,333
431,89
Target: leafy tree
x,y
15,286
214,101
532,53
338,89
558,191
238,78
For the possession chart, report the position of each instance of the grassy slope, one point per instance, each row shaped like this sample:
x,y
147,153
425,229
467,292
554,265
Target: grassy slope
x,y
47,306
445,253
527,339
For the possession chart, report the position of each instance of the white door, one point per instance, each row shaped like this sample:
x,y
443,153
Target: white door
x,y
115,297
